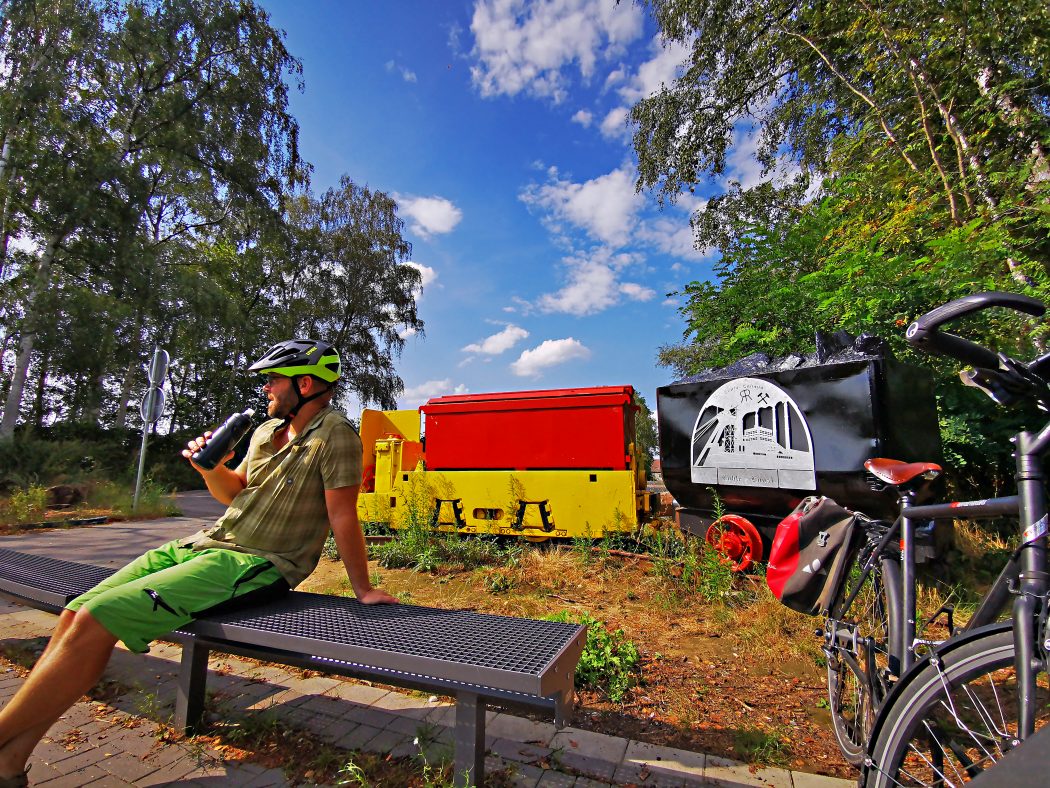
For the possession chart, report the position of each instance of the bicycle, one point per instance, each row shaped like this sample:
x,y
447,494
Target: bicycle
x,y
870,632
960,706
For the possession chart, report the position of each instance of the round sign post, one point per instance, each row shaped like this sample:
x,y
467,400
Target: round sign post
x,y
151,409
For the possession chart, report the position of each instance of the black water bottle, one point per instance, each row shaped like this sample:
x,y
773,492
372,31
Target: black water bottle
x,y
224,439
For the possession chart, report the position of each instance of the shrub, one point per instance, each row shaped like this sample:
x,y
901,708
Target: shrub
x,y
154,499
610,660
27,505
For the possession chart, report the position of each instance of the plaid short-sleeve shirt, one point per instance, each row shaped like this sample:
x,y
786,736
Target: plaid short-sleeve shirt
x,y
281,513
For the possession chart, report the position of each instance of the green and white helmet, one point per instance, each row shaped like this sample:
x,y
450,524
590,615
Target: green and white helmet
x,y
296,357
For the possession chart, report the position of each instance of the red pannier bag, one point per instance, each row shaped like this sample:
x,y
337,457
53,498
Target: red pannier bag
x,y
810,554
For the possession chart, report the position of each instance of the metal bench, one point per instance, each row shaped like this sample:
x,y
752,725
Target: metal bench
x,y
473,656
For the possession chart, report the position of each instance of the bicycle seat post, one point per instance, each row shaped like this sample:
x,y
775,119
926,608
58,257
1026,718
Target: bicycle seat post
x,y
1033,576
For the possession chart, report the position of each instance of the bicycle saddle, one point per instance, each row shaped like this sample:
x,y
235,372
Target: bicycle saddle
x,y
899,473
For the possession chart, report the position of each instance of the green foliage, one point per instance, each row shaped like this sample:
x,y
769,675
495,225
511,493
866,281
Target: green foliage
x,y
417,546
646,439
610,661
25,506
167,204
155,500
926,126
427,551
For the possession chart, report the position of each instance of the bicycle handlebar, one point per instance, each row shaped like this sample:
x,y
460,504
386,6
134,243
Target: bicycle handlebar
x,y
924,333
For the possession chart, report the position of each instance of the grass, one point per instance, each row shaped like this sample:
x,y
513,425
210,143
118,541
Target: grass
x,y
29,505
767,747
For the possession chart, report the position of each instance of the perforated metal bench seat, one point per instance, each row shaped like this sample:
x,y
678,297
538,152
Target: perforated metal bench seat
x,y
473,656
45,583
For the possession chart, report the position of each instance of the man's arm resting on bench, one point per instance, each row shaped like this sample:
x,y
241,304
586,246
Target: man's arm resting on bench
x,y
350,539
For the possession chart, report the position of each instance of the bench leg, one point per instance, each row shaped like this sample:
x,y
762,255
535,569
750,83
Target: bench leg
x,y
470,740
563,708
193,678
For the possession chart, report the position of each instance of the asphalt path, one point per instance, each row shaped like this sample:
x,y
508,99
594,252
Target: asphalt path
x,y
114,544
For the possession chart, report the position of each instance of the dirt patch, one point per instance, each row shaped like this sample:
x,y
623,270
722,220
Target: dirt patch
x,y
741,678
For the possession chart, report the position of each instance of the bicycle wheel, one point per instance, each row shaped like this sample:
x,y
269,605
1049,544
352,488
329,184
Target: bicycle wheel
x,y
870,620
954,719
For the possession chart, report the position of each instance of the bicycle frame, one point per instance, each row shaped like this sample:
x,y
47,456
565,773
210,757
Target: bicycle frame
x,y
1027,566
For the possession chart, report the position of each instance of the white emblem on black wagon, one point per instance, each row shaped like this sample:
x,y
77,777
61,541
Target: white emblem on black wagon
x,y
750,433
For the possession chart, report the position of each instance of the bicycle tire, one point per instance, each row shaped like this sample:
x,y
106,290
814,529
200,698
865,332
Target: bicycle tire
x,y
849,687
955,718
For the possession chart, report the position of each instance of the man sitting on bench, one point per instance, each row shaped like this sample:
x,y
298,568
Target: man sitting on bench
x,y
300,477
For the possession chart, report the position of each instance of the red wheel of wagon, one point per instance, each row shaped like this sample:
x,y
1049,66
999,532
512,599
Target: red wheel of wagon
x,y
735,538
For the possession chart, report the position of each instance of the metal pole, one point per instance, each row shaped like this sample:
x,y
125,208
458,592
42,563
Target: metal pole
x,y
142,465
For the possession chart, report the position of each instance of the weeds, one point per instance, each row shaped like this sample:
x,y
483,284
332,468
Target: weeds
x,y
498,582
154,500
609,662
766,747
28,505
352,774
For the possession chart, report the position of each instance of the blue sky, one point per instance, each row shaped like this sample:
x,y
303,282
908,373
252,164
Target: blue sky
x,y
499,127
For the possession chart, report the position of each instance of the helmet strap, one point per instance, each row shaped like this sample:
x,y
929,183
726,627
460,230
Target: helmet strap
x,y
302,400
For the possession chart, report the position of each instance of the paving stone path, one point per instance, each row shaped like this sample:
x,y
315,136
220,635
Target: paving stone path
x,y
115,743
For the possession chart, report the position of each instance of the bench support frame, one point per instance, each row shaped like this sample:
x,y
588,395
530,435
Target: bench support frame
x,y
471,701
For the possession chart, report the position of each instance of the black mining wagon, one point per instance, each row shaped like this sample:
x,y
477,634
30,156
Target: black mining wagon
x,y
764,433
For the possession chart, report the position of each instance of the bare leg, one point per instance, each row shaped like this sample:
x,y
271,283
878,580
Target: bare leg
x,y
70,666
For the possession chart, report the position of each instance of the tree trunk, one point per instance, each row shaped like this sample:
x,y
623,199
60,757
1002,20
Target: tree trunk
x,y
13,404
1013,117
37,418
120,421
5,154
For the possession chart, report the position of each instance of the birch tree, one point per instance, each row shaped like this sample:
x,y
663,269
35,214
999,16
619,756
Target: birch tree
x,y
173,115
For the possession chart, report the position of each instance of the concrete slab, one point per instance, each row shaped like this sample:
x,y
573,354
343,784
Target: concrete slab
x,y
666,762
725,772
594,745
806,780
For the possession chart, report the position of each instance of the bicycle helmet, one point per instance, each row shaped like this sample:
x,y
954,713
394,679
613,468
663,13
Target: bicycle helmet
x,y
295,358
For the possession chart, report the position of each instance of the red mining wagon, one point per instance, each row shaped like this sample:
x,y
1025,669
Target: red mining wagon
x,y
587,428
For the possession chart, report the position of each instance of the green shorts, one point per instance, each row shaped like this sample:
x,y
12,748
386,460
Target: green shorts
x,y
168,587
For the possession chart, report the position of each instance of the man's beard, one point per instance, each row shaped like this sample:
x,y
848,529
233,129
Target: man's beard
x,y
278,409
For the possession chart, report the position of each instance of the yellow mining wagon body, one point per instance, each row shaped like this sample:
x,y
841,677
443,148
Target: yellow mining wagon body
x,y
400,490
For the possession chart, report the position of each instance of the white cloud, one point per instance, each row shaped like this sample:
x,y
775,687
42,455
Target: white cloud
x,y
526,45
550,353
637,292
499,342
614,124
405,333
427,276
594,284
605,207
583,117
672,236
661,69
406,73
414,396
742,164
429,215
